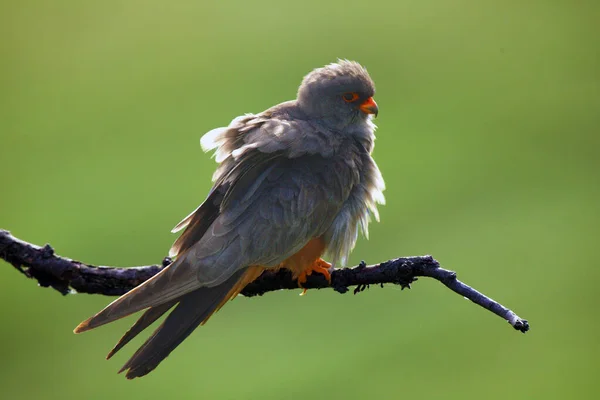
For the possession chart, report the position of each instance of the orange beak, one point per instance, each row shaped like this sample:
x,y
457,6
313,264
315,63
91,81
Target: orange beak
x,y
369,107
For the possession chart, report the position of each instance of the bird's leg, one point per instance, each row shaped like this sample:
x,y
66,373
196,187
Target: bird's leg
x,y
320,266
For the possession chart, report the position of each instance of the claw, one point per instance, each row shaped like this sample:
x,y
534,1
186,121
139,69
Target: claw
x,y
320,266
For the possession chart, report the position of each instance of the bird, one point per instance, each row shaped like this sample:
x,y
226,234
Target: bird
x,y
294,183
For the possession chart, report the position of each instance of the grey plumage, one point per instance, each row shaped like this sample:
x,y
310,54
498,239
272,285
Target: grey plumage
x,y
192,309
150,316
298,171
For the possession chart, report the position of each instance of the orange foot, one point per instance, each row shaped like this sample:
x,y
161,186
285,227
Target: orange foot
x,y
321,266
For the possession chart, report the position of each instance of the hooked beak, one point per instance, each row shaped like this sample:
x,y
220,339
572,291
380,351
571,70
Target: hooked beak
x,y
369,107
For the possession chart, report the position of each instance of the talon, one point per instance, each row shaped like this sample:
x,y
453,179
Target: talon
x,y
320,266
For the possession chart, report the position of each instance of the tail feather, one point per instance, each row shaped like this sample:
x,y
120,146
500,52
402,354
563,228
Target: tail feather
x,y
193,309
145,321
179,324
167,286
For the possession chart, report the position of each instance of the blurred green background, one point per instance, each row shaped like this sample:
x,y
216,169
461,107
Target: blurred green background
x,y
488,141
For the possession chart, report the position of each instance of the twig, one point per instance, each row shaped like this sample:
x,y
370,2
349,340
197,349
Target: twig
x,y
64,274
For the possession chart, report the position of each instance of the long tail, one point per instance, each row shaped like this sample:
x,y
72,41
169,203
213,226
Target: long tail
x,y
192,309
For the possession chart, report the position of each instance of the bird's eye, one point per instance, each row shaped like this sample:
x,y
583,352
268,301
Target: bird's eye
x,y
350,97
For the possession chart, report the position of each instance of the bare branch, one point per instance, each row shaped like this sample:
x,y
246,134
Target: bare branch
x,y
64,274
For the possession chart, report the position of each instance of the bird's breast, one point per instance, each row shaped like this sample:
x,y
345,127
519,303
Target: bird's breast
x,y
356,212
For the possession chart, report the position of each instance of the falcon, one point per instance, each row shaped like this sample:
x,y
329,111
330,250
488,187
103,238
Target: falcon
x,y
294,183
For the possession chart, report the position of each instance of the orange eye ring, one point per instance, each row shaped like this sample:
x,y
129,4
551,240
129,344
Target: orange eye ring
x,y
350,97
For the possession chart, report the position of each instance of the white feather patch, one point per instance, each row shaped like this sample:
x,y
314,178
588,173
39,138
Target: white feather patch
x,y
212,139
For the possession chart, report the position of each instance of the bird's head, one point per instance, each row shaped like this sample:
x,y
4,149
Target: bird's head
x,y
339,94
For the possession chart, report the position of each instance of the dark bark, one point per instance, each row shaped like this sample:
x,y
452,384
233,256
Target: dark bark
x,y
63,274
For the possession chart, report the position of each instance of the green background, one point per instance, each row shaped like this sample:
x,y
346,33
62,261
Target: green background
x,y
488,141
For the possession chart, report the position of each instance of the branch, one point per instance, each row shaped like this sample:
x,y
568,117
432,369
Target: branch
x,y
64,274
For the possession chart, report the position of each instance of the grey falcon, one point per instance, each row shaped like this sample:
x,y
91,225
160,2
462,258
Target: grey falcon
x,y
294,183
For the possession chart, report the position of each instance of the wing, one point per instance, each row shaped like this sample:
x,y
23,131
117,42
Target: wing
x,y
270,213
280,184
272,195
